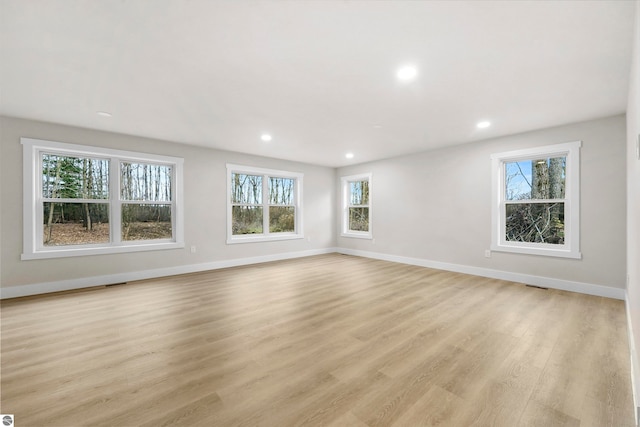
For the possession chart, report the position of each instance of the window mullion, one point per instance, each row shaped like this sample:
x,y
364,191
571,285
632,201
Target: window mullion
x,y
116,203
347,206
265,204
39,201
174,210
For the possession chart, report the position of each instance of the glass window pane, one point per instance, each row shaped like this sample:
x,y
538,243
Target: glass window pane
x,y
246,219
359,219
359,192
146,222
142,181
75,223
535,223
246,189
281,191
282,219
535,179
74,177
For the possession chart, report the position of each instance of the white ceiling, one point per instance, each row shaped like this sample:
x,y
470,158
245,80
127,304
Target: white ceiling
x,y
317,75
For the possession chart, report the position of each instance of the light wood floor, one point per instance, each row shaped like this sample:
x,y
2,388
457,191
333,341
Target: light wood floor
x,y
327,340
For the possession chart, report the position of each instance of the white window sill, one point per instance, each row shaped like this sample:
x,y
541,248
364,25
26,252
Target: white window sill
x,y
542,251
357,235
254,238
64,252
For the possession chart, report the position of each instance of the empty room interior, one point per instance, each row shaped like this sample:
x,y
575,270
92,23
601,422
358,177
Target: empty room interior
x,y
340,213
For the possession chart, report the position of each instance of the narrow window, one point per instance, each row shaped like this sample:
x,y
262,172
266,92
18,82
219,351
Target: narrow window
x,y
246,201
146,201
356,194
282,208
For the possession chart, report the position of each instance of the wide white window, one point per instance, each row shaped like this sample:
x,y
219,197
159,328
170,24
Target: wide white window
x,y
81,200
356,206
536,201
263,204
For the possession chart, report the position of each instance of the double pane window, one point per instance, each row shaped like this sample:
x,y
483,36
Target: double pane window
x,y
536,201
356,220
263,204
91,200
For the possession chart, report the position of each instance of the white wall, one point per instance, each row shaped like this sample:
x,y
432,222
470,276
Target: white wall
x,y
436,206
205,213
431,206
633,209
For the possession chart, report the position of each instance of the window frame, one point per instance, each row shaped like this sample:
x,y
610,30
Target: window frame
x,y
266,235
33,200
346,197
571,246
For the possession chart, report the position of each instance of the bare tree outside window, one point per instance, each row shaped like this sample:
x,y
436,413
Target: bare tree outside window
x,y
359,205
263,204
75,193
534,200
282,210
246,200
89,200
248,209
145,192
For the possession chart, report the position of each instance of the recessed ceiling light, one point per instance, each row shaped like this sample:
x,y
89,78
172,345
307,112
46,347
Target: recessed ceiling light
x,y
406,73
266,137
349,155
483,125
103,114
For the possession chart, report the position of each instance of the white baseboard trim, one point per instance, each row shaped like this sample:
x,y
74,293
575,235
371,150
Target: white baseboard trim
x,y
68,285
635,364
546,282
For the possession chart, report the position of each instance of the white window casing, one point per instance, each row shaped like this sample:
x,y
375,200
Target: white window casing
x,y
266,235
346,206
570,248
33,245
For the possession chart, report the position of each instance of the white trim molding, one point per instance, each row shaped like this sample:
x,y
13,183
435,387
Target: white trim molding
x,y
635,363
570,248
346,205
88,282
527,279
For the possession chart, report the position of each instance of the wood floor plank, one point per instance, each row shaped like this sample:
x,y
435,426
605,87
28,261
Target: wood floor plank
x,y
504,397
437,407
326,340
539,415
347,420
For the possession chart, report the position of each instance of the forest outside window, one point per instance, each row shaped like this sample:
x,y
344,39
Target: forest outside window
x,y
356,216
263,204
536,201
83,200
